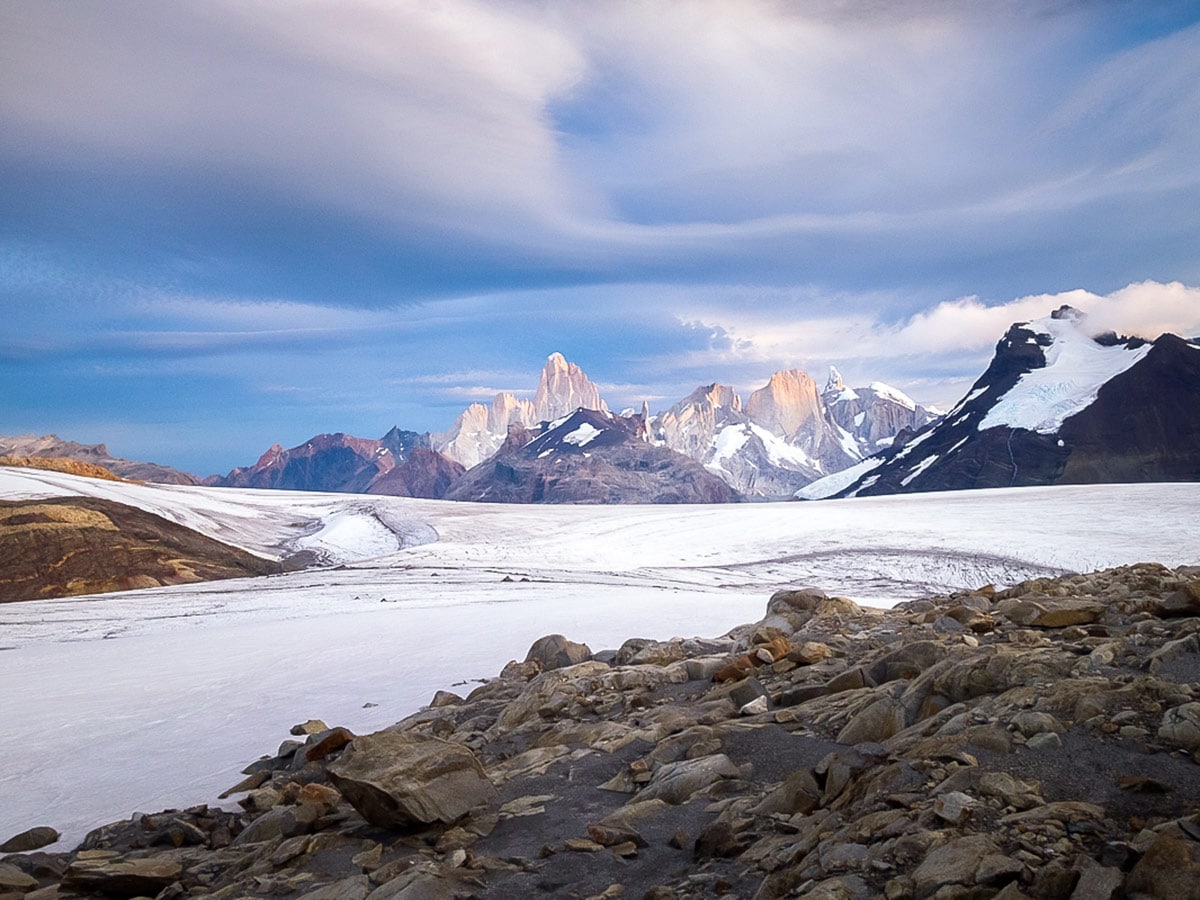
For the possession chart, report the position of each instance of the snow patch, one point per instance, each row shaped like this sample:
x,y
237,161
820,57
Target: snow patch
x,y
887,392
918,469
838,481
583,435
1076,368
728,441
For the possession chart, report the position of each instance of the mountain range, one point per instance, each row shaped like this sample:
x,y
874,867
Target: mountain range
x,y
709,447
1056,404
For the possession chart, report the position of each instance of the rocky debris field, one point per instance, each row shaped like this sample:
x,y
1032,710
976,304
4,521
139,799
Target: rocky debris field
x,y
1041,741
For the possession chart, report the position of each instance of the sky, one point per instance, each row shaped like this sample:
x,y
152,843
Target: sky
x,y
229,224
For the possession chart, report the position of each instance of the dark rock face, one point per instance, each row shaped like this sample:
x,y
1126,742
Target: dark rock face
x,y
880,756
77,545
589,457
400,464
423,473
1143,425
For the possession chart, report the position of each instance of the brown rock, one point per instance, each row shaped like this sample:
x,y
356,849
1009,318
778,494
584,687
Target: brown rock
x,y
554,651
334,741
121,876
312,726
14,880
1170,868
953,863
397,779
33,839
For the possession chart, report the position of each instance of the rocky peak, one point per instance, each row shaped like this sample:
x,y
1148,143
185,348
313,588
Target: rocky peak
x,y
787,403
564,387
834,382
480,431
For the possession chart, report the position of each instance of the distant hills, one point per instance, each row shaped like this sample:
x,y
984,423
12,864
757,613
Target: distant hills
x,y
1056,404
50,446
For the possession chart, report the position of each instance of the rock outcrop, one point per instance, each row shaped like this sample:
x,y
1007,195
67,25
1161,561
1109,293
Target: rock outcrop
x,y
81,545
973,745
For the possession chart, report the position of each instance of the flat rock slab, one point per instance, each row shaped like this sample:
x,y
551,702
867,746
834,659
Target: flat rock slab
x,y
121,877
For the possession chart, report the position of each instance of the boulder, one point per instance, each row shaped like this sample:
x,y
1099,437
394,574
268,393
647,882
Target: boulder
x,y
1184,602
678,782
554,651
1170,868
33,839
1181,726
879,721
398,779
1048,612
953,863
13,880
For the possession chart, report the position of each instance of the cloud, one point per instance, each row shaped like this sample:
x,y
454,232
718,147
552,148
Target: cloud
x,y
614,139
931,352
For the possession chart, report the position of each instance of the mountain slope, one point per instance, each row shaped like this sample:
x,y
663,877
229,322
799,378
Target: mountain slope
x,y
399,463
81,545
1055,405
589,456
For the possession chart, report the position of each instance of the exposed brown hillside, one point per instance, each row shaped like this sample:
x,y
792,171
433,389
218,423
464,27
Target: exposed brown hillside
x,y
81,545
70,466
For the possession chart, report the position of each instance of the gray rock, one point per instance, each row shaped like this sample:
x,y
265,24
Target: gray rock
x,y
954,806
1096,882
396,779
878,722
1181,726
354,888
1029,723
678,782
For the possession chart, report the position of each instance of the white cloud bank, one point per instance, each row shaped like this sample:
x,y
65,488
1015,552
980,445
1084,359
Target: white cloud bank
x,y
955,337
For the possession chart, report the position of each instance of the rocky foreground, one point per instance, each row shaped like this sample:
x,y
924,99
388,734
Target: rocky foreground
x,y
1041,741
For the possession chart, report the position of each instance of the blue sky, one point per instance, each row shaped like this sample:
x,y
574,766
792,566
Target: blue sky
x,y
224,224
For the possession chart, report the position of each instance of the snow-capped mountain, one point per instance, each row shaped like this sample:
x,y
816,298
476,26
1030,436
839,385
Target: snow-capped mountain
x,y
479,431
711,427
788,433
400,463
873,415
1056,405
589,456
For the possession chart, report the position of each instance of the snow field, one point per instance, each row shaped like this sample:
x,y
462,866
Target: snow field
x,y
158,698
